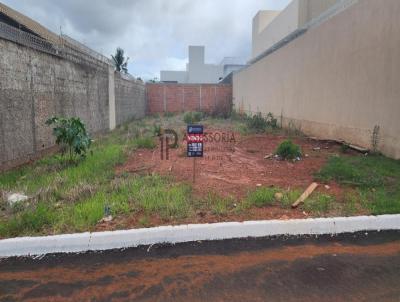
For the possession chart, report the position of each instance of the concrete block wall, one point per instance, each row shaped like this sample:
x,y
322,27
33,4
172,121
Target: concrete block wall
x,y
170,97
35,86
129,99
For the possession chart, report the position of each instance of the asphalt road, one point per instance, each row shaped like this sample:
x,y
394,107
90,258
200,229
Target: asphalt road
x,y
344,268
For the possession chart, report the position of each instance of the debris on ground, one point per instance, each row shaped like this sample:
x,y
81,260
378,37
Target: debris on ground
x,y
268,156
305,194
15,198
316,148
278,196
354,147
327,187
106,219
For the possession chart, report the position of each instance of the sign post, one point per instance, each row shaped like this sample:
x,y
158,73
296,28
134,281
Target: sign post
x,y
194,144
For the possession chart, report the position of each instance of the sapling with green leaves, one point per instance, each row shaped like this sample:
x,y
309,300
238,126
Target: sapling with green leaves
x,y
71,136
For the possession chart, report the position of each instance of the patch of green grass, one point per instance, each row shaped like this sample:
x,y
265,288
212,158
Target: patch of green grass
x,y
242,129
376,177
87,213
381,200
153,195
350,202
167,200
47,175
318,203
145,142
219,205
29,222
261,197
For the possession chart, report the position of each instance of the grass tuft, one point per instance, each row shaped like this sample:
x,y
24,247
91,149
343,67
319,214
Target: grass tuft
x,y
318,204
261,197
145,142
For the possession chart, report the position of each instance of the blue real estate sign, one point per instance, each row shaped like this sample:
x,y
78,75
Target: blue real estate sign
x,y
194,140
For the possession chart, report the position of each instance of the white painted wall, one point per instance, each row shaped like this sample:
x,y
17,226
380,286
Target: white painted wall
x,y
197,71
269,27
173,76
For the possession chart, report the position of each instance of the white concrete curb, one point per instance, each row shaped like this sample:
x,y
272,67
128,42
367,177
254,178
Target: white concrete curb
x,y
81,242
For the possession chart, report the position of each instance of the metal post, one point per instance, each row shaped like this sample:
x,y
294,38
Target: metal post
x,y
194,169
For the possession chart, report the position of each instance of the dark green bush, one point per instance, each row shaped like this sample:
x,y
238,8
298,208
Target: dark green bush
x,y
71,135
288,150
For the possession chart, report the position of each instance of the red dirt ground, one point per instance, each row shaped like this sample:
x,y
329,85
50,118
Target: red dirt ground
x,y
234,168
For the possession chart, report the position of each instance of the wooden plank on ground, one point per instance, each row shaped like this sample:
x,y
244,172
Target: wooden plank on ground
x,y
305,194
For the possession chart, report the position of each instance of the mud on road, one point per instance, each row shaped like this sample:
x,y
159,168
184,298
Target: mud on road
x,y
349,267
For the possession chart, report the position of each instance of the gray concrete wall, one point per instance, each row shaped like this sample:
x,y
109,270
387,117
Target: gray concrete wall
x,y
338,80
35,86
130,99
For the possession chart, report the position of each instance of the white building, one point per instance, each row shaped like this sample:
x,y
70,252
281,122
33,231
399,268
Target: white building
x,y
197,71
272,29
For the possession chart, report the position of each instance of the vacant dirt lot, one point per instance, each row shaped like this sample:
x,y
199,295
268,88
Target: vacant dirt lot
x,y
237,165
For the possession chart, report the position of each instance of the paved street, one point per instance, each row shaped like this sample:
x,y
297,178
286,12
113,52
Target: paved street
x,y
346,268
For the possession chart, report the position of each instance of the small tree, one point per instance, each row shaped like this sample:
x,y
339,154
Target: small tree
x,y
120,63
71,135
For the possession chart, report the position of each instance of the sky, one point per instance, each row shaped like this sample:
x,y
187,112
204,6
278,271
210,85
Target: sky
x,y
155,34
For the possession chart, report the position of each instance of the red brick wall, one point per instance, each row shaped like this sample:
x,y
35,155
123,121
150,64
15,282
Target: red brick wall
x,y
188,97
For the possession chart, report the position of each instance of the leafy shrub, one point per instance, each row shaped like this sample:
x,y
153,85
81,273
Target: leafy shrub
x,y
192,117
157,131
71,135
272,122
259,123
288,150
